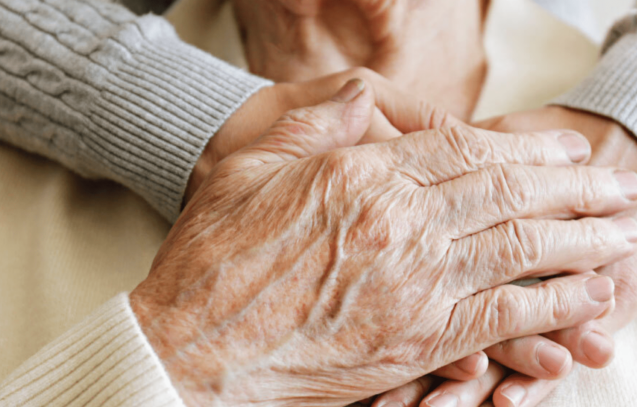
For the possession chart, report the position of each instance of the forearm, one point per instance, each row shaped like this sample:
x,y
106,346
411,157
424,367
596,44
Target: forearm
x,y
111,96
104,360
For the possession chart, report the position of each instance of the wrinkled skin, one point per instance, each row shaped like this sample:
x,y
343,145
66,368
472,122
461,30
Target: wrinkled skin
x,y
263,108
611,145
521,355
309,274
432,48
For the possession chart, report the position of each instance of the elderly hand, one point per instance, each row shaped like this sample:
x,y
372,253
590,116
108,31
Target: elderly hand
x,y
540,360
306,273
591,343
431,48
261,110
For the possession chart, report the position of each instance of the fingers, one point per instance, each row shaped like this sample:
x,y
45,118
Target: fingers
x,y
507,312
379,130
408,395
521,248
404,111
466,394
503,192
468,368
534,356
409,114
589,344
522,391
448,153
340,122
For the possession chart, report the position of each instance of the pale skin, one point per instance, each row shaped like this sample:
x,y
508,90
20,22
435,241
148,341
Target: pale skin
x,y
529,356
590,344
414,43
359,273
395,113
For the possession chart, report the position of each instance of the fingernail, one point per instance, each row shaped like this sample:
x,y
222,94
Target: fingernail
x,y
551,358
600,289
515,393
597,348
629,227
349,91
577,147
628,183
470,364
443,400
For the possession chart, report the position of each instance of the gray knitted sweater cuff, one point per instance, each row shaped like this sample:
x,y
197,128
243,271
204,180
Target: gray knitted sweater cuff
x,y
112,96
611,89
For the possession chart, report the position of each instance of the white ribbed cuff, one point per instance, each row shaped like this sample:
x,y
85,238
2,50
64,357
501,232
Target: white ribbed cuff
x,y
103,361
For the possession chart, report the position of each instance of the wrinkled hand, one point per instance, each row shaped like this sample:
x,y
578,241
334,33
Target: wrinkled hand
x,y
261,110
591,343
303,271
432,48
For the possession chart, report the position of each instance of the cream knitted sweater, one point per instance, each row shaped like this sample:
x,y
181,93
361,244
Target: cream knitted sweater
x,y
114,96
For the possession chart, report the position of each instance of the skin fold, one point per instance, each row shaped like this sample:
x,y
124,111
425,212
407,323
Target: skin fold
x,y
370,266
431,48
396,112
429,58
589,344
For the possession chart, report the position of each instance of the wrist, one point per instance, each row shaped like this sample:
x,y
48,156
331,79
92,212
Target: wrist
x,y
249,121
161,332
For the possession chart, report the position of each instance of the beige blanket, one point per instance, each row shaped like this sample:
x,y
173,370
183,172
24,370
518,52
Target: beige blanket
x,y
69,244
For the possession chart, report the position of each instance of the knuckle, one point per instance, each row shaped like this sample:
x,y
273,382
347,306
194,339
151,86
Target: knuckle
x,y
513,189
626,288
524,242
598,235
558,301
589,190
506,314
472,148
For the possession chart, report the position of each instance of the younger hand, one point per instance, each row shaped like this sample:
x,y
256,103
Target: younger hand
x,y
259,112
303,269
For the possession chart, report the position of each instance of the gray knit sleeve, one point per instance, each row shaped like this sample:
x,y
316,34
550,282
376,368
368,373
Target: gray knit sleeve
x,y
611,89
110,95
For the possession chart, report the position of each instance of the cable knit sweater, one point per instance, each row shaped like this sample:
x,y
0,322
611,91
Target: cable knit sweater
x,y
111,95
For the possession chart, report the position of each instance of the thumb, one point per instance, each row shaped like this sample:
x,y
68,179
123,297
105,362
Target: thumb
x,y
339,122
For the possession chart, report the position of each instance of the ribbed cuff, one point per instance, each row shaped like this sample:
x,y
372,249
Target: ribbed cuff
x,y
611,89
160,103
103,361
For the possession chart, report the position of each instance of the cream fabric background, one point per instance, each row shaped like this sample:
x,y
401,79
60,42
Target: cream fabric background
x,y
69,244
